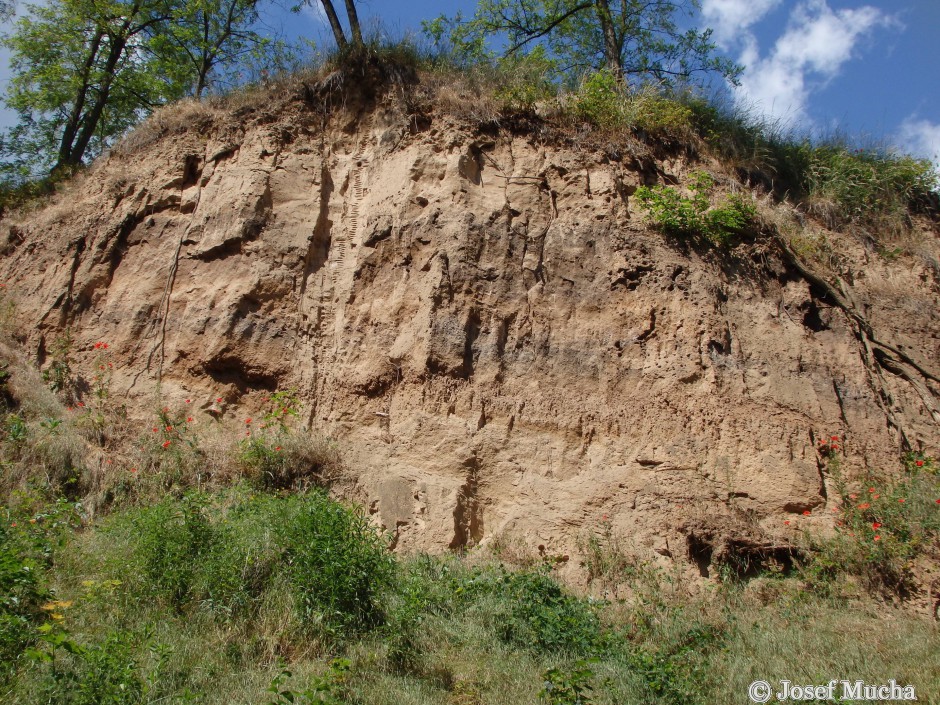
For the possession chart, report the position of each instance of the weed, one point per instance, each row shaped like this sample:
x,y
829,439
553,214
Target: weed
x,y
694,217
568,687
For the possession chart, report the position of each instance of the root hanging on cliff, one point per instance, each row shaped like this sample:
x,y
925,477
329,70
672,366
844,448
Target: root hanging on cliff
x,y
878,355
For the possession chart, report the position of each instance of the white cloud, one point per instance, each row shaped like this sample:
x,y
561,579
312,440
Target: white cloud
x,y
817,42
731,19
921,138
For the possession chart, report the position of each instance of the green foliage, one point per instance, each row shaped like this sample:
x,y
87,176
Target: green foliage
x,y
568,687
534,612
863,185
694,217
647,41
526,79
85,71
21,594
601,100
172,538
329,689
338,564
191,553
882,529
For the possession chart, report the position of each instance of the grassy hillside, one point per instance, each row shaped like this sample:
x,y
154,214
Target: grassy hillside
x,y
183,562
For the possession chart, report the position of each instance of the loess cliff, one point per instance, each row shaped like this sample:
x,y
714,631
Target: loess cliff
x,y
484,320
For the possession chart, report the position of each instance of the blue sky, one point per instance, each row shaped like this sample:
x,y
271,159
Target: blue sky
x,y
867,68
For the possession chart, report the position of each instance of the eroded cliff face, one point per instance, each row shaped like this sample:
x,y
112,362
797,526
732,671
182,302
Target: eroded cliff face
x,y
483,321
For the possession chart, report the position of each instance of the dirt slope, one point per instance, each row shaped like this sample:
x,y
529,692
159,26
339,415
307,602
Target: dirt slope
x,y
482,319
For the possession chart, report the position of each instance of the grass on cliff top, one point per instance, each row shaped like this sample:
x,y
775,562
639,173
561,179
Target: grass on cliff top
x,y
183,563
841,180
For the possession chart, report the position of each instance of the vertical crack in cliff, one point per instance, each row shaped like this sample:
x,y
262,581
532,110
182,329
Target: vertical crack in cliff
x,y
468,516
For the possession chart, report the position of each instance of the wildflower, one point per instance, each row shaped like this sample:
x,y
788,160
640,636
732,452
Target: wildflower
x,y
833,438
877,538
279,447
100,367
218,400
154,429
247,433
786,523
81,403
875,496
166,444
133,469
806,513
110,366
169,428
853,496
834,447
919,463
871,489
32,521
97,346
938,501
902,500
104,345
864,505
248,421
188,401
189,419
876,525
14,523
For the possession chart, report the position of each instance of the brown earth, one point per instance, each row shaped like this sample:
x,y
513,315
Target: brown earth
x,y
484,321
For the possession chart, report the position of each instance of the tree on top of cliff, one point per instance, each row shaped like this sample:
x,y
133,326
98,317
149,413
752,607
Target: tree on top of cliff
x,y
84,71
628,38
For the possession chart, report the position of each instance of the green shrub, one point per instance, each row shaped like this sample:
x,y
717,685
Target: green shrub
x,y
338,564
21,594
525,79
693,217
881,530
567,687
172,538
600,100
540,615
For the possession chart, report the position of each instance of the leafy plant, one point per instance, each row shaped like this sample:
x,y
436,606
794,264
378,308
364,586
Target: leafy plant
x,y
567,687
694,216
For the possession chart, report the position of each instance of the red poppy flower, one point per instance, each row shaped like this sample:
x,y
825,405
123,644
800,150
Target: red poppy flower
x,y
189,419
871,489
169,428
864,505
806,513
919,463
876,525
279,447
188,401
133,469
155,430
219,400
877,538
247,420
786,523
166,444
902,500
938,501
97,346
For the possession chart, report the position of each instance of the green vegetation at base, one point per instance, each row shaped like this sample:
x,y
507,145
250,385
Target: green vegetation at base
x,y
201,566
246,597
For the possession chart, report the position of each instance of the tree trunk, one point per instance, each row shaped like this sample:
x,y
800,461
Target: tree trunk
x,y
354,26
611,46
75,115
90,121
334,23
